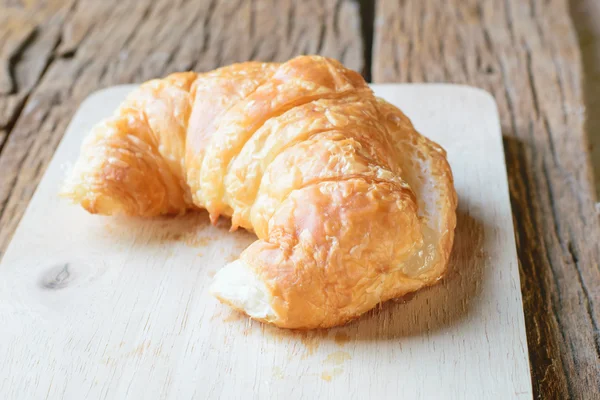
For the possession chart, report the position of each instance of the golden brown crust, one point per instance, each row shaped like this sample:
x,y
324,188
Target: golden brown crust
x,y
132,163
351,205
330,246
291,84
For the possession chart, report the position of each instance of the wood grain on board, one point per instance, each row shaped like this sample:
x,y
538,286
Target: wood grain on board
x,y
526,53
119,307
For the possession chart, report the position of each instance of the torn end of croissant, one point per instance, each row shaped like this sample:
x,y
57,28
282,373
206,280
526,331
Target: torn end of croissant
x,y
238,286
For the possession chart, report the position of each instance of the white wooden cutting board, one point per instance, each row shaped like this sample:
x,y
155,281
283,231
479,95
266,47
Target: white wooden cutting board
x,y
108,308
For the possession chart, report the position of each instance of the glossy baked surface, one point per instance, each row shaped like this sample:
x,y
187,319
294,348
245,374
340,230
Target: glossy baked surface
x,y
350,204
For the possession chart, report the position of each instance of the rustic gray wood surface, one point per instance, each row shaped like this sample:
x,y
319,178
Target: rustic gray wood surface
x,y
526,54
539,58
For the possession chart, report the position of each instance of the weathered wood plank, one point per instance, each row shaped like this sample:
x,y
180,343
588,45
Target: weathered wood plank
x,y
526,54
104,43
29,32
586,17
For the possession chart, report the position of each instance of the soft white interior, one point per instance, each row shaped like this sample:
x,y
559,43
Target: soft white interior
x,y
237,284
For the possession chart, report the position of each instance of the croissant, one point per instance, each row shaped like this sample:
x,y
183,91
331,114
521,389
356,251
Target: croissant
x,y
351,206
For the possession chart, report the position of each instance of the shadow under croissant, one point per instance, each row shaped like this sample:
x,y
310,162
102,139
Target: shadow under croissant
x,y
193,228
426,311
437,307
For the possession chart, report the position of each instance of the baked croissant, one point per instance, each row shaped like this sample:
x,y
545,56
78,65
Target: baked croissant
x,y
351,206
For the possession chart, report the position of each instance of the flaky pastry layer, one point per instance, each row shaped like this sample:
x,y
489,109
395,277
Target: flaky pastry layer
x,y
350,204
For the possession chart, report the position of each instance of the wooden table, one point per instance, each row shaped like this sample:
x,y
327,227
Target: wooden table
x,y
527,53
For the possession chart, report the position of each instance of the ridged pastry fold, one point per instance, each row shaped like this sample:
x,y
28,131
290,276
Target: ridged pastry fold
x,y
350,204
